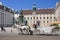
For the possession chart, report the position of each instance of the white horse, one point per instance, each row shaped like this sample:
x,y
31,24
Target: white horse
x,y
23,27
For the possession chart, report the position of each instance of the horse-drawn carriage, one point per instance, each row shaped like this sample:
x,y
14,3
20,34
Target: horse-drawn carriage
x,y
22,28
30,30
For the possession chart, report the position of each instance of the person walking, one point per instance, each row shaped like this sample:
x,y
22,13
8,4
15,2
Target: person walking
x,y
2,29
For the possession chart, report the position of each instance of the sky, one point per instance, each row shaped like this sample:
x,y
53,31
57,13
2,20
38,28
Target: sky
x,y
28,4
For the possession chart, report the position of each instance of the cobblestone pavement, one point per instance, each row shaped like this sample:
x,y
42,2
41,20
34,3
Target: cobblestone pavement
x,y
14,36
27,37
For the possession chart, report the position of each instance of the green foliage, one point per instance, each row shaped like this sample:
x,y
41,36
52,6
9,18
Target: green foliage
x,y
56,26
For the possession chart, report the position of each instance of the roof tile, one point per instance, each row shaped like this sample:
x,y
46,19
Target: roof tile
x,y
40,11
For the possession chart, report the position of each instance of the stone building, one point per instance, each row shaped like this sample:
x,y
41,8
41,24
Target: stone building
x,y
57,11
39,16
42,17
6,16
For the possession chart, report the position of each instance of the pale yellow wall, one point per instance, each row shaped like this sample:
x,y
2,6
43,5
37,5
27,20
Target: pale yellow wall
x,y
31,21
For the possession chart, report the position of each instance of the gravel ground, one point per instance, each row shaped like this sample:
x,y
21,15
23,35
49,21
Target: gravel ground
x,y
14,36
28,37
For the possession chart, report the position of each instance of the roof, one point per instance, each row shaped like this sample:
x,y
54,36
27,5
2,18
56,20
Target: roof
x,y
40,11
6,9
27,12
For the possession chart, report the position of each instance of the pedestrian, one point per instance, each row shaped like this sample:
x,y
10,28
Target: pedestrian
x,y
2,29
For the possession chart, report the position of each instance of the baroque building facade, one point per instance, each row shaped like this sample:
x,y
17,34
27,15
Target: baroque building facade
x,y
42,16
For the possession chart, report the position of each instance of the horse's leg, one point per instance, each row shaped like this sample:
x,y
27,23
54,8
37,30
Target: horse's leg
x,y
31,32
18,30
27,31
21,31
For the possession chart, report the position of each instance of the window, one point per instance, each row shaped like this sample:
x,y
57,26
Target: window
x,y
40,17
43,21
50,17
47,17
34,17
43,17
28,18
34,21
54,18
47,21
37,17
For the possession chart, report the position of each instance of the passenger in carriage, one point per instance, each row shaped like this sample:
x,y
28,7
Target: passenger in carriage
x,y
35,26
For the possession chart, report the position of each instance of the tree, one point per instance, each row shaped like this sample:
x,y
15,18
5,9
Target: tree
x,y
57,28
